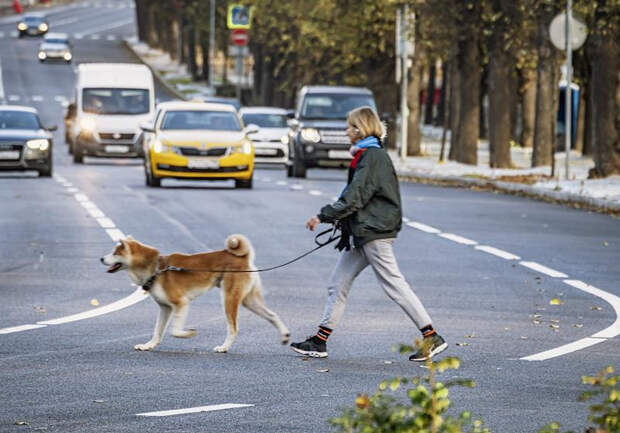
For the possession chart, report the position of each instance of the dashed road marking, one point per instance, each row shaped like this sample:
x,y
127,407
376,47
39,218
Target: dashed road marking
x,y
281,183
14,98
457,238
423,227
37,98
543,269
19,328
106,223
115,234
297,187
198,409
315,192
497,252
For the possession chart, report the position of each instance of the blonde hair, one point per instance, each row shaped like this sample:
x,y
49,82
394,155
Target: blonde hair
x,y
367,122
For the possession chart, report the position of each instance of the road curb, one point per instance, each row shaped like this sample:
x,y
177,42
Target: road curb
x,y
566,198
159,77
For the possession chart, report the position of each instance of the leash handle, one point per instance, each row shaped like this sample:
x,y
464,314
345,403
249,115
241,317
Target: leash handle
x,y
331,238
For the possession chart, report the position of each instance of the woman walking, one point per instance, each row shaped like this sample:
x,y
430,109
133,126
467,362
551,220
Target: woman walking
x,y
369,210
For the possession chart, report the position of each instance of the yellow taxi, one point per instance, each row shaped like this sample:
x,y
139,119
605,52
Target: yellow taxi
x,y
197,140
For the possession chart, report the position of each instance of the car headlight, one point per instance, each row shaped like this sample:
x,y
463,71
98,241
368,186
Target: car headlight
x,y
247,147
67,56
38,144
158,146
22,26
43,27
42,55
87,125
284,139
310,135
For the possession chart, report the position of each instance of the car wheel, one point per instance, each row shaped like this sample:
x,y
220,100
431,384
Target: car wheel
x,y
78,154
46,171
150,179
41,60
244,183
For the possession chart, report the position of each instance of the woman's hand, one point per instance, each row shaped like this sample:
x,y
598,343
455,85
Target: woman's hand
x,y
312,223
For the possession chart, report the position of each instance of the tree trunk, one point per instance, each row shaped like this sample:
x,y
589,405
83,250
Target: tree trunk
x,y
587,133
414,136
500,104
455,108
469,118
546,91
606,101
528,106
581,114
482,131
430,96
191,52
142,21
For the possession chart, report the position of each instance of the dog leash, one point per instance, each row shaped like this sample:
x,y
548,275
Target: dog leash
x,y
317,240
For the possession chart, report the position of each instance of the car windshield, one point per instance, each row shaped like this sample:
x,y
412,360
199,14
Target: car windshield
x,y
231,102
115,101
33,20
56,41
18,120
194,119
333,106
265,120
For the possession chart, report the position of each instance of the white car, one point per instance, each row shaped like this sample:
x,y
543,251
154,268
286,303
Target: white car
x,y
271,140
55,46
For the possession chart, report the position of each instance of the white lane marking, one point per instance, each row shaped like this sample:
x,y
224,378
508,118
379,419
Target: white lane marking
x,y
600,337
37,98
59,178
497,252
297,187
88,205
198,409
14,97
20,328
1,80
73,190
1,34
81,197
423,227
111,38
60,98
457,238
13,34
543,269
95,213
66,21
115,234
78,36
137,296
106,223
334,198
315,192
281,183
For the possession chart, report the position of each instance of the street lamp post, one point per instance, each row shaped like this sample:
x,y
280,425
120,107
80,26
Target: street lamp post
x,y
568,111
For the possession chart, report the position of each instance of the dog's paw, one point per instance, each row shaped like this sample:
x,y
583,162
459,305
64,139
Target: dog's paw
x,y
188,333
286,338
144,347
220,349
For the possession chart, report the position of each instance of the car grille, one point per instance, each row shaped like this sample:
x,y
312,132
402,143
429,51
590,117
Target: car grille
x,y
180,169
279,154
214,151
4,147
116,136
334,136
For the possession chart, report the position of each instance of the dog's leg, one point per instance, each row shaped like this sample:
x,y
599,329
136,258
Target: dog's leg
x,y
231,307
254,302
180,314
160,326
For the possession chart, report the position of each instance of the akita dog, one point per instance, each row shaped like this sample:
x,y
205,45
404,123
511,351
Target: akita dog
x,y
176,279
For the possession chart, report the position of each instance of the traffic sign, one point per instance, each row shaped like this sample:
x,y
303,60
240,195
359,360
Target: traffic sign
x,y
557,32
239,16
239,37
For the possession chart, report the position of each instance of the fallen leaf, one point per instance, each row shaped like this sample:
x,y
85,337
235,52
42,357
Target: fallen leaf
x,y
362,401
472,335
555,301
323,370
21,423
537,316
388,362
40,309
597,308
554,321
462,344
523,337
94,302
98,401
554,326
506,329
578,325
305,358
536,322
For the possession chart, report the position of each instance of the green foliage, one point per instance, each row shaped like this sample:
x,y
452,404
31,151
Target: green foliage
x,y
605,412
422,409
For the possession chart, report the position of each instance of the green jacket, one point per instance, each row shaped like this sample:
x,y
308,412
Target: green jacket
x,y
370,204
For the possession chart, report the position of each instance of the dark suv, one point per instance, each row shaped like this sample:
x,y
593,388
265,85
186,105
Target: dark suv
x,y
317,137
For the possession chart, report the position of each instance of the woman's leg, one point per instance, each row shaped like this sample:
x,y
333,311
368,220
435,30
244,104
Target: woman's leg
x,y
380,255
350,264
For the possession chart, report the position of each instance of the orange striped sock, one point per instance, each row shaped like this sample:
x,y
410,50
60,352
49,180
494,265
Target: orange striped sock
x,y
427,331
323,333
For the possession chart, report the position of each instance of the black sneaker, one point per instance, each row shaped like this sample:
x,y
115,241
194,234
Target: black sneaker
x,y
313,346
433,347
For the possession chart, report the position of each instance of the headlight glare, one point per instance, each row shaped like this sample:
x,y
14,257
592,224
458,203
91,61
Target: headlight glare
x,y
67,56
22,26
43,27
158,146
87,125
310,135
284,139
247,147
42,55
38,144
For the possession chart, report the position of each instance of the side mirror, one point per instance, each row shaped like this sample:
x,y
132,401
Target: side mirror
x,y
51,128
251,129
290,114
147,127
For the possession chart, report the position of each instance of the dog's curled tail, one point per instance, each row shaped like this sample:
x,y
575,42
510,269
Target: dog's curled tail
x,y
238,245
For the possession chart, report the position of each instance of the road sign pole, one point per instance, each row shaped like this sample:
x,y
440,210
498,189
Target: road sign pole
x,y
568,92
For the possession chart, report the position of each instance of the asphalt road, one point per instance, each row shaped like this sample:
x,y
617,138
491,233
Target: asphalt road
x,y
84,376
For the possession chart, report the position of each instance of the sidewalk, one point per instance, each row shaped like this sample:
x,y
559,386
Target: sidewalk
x,y
594,194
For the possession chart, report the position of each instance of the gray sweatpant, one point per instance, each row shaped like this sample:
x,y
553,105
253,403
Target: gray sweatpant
x,y
380,256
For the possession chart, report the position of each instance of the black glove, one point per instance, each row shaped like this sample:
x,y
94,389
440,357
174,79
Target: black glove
x,y
344,243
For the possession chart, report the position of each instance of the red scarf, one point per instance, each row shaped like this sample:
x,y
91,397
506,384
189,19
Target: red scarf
x,y
357,157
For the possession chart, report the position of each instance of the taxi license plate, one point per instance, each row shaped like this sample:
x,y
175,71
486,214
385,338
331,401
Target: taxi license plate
x,y
339,154
116,149
259,151
9,154
203,163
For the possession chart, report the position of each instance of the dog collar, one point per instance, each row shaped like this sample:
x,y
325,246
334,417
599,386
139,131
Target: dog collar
x,y
149,283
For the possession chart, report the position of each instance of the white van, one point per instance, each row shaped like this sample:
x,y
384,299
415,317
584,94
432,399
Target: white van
x,y
111,100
